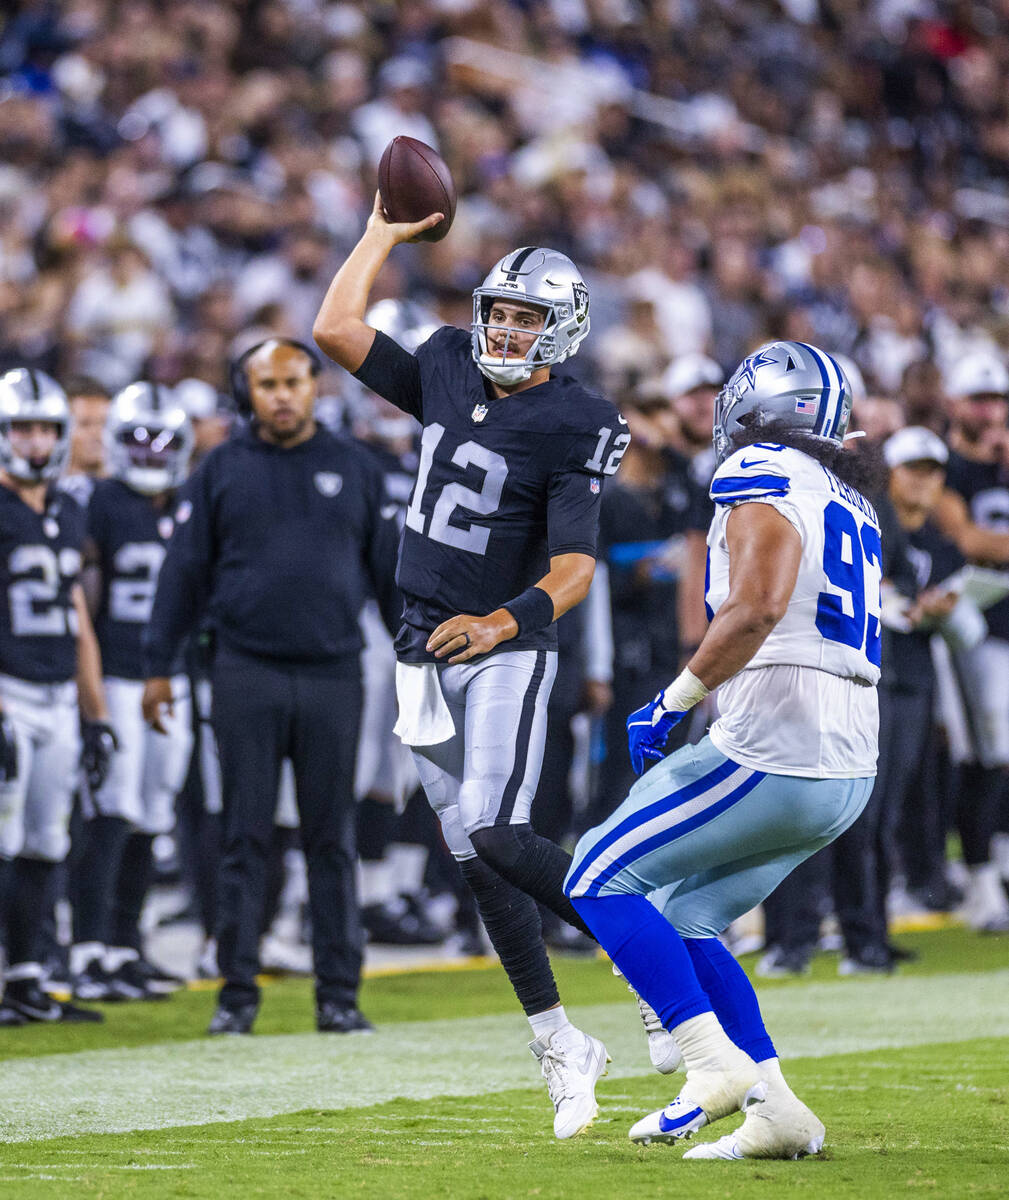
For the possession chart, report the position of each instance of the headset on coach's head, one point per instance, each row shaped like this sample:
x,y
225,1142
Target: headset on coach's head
x,y
240,381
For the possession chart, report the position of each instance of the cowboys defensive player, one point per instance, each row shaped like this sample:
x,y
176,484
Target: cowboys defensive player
x,y
46,639
500,540
793,593
149,440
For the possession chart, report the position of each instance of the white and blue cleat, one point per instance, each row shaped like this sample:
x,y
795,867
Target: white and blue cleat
x,y
706,1097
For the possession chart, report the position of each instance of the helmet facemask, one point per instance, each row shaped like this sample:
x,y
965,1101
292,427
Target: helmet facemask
x,y
505,368
27,470
151,458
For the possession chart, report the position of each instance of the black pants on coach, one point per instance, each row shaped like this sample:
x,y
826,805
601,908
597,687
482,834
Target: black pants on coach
x,y
263,712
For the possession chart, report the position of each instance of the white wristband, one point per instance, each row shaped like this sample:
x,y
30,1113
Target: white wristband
x,y
684,692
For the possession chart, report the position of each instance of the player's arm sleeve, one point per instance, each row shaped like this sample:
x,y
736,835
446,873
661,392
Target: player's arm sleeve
x,y
760,477
381,551
394,373
185,577
574,498
573,513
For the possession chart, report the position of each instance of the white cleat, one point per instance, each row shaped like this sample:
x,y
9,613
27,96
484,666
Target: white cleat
x,y
782,1127
571,1062
662,1048
706,1096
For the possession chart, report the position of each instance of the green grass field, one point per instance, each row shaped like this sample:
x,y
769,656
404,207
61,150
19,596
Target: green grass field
x,y
910,1074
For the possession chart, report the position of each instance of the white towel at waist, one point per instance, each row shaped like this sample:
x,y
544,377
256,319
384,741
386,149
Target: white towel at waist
x,y
424,718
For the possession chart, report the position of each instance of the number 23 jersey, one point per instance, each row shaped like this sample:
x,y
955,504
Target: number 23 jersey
x,y
40,562
806,702
502,484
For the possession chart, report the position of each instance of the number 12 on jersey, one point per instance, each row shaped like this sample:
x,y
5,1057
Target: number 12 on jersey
x,y
847,548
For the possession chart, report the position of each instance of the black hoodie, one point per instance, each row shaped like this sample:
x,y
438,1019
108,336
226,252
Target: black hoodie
x,y
279,548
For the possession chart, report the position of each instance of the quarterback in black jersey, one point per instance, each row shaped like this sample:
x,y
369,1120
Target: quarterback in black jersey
x,y
500,541
49,664
149,439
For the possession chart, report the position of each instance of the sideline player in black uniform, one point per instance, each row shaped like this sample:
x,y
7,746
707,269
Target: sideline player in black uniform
x,y
46,639
500,540
974,512
149,439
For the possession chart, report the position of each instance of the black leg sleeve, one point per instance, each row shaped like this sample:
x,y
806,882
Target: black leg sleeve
x,y
134,884
98,876
533,864
28,893
979,794
513,926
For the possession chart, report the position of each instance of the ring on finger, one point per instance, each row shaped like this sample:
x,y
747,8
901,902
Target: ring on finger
x,y
468,642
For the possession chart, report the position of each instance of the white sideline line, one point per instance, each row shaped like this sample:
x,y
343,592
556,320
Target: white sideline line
x,y
214,1080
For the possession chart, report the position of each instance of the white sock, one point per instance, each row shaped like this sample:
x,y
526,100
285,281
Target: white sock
x,y
82,954
546,1024
374,881
703,1043
407,863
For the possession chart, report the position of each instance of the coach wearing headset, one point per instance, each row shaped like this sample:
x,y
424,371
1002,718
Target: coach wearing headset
x,y
280,534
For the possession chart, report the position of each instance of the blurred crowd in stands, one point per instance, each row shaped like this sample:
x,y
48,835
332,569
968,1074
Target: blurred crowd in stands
x,y
180,179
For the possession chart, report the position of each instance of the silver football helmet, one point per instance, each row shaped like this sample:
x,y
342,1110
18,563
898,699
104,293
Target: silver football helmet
x,y
546,279
791,382
406,322
30,395
148,438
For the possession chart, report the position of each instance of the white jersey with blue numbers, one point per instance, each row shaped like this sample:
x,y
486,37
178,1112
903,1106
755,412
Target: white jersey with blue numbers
x,y
805,704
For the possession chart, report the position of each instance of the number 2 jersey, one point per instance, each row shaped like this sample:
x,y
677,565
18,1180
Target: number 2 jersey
x,y
40,562
502,484
128,536
805,704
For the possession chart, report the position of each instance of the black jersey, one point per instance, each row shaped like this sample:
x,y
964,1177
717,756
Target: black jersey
x,y
40,561
907,657
129,536
399,472
503,484
985,487
642,539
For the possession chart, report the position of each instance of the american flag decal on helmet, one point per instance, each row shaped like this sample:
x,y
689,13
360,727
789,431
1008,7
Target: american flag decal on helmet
x,y
805,406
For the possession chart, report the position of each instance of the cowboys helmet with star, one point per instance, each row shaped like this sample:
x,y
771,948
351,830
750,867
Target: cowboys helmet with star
x,y
789,382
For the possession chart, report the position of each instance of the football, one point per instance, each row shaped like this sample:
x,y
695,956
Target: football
x,y
414,181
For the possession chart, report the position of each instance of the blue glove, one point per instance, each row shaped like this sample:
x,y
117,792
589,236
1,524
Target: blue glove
x,y
648,730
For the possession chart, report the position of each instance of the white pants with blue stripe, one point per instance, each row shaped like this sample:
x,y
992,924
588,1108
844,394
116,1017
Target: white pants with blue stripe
x,y
706,839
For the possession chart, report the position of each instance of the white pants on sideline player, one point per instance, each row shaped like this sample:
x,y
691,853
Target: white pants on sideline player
x,y
35,806
487,772
973,700
149,769
385,766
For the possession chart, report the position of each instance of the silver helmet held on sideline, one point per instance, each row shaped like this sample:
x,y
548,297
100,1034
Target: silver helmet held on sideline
x,y
30,395
791,382
548,280
148,438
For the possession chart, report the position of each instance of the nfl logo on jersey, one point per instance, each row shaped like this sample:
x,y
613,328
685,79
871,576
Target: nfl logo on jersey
x,y
594,485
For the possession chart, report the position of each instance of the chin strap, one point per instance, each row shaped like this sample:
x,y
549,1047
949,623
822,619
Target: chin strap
x,y
503,374
855,433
